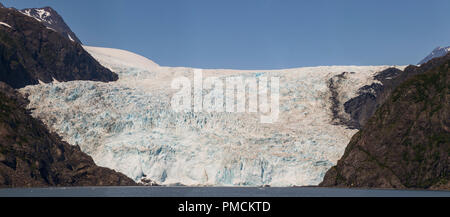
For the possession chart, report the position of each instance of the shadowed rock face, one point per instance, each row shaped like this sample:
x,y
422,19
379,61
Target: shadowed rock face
x,y
406,143
370,97
30,52
333,85
359,109
31,156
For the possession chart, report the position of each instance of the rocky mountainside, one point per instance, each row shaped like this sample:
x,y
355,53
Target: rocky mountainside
x,y
31,52
437,52
359,109
31,156
371,97
406,143
51,19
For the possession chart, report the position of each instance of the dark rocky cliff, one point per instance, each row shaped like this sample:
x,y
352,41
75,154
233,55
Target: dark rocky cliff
x,y
29,52
51,19
31,156
406,143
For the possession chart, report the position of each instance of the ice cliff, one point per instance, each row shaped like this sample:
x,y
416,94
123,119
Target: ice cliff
x,y
128,125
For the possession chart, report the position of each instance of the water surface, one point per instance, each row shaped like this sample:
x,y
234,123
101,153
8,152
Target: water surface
x,y
214,192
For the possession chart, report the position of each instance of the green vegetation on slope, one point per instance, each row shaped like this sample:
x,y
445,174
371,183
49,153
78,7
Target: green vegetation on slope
x,y
406,143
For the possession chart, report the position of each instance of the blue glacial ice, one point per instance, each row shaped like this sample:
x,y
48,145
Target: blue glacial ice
x,y
129,126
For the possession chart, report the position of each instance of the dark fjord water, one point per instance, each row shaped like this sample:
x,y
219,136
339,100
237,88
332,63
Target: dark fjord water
x,y
214,192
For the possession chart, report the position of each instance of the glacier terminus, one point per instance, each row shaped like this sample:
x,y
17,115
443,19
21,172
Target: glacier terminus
x,y
128,125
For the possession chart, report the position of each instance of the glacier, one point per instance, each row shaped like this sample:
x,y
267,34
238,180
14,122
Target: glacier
x,y
128,125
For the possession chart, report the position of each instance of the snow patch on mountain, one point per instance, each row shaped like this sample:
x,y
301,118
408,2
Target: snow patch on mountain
x,y
5,24
40,14
128,125
70,38
51,19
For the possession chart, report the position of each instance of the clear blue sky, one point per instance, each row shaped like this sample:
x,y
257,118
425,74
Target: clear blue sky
x,y
260,34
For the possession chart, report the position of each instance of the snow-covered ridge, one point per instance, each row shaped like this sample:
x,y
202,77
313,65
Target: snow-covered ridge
x,y
437,52
128,125
116,58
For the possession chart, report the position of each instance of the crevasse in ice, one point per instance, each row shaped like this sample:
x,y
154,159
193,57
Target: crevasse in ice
x,y
129,126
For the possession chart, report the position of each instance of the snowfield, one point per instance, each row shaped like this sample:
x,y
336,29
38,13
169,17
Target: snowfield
x,y
128,125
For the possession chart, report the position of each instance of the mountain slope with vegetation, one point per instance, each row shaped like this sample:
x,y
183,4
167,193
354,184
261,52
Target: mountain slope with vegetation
x,y
406,143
